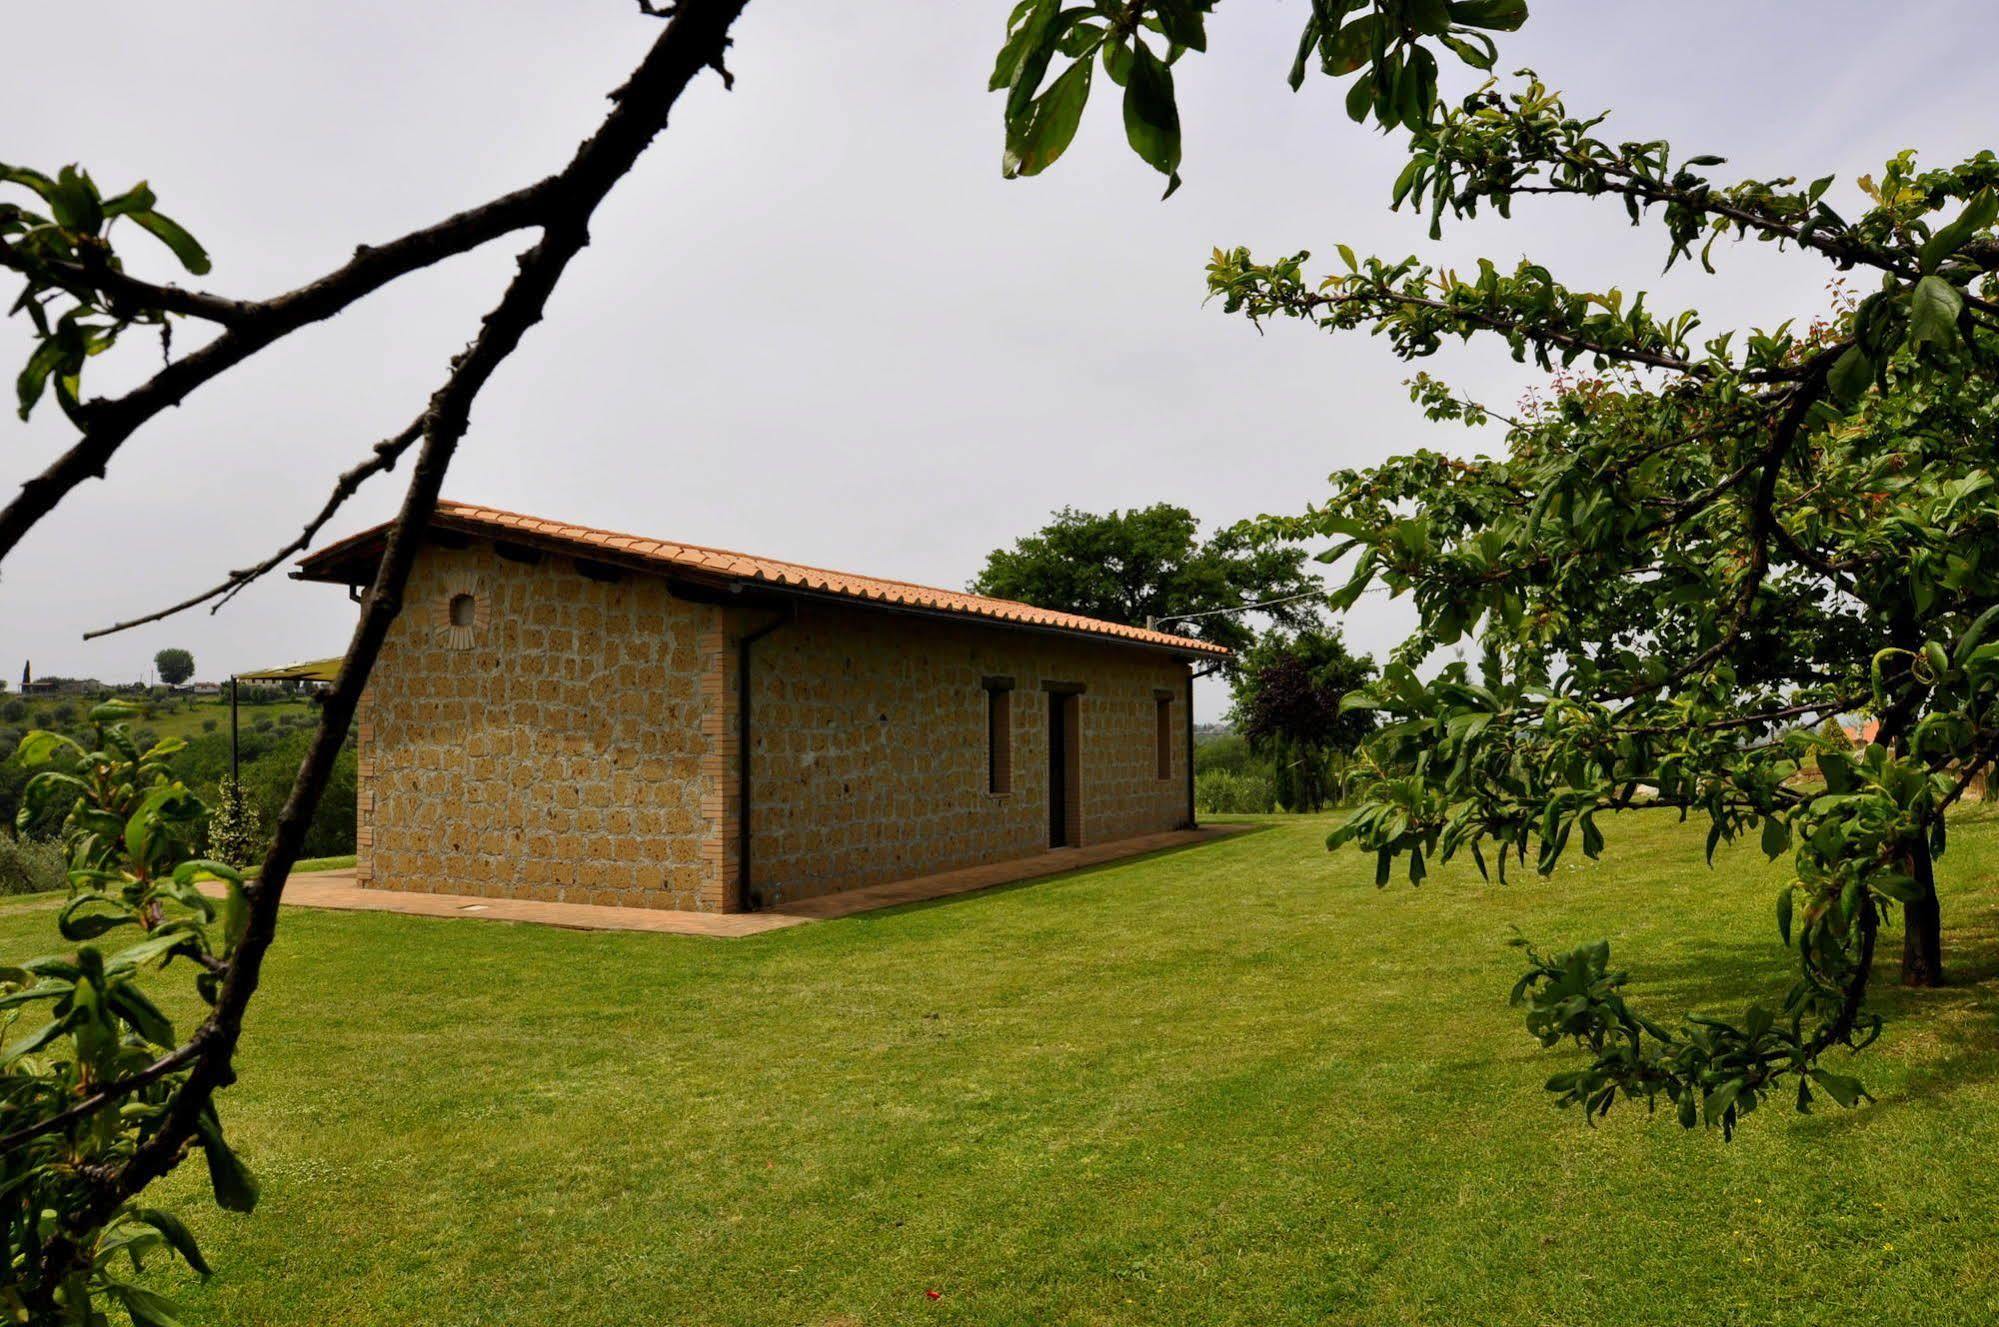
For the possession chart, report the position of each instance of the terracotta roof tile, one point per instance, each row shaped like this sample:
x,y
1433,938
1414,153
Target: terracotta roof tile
x,y
772,571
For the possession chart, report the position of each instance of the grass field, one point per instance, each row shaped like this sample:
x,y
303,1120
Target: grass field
x,y
1231,1085
183,722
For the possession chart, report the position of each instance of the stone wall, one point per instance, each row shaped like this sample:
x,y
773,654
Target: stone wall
x,y
532,732
869,746
551,743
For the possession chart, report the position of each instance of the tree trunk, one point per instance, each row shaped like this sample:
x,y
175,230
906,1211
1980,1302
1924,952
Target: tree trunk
x,y
1922,924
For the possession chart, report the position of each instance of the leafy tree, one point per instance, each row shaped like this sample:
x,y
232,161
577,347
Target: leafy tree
x,y
1149,564
1682,561
175,666
103,1099
1288,694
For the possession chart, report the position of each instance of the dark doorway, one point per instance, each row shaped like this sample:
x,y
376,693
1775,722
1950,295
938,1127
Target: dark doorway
x,y
1060,738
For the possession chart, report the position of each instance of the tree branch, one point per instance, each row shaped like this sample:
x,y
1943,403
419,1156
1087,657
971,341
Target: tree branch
x,y
104,1096
1762,517
691,41
107,423
120,289
386,453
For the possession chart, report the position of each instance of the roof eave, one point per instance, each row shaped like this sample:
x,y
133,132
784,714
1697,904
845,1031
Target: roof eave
x,y
351,561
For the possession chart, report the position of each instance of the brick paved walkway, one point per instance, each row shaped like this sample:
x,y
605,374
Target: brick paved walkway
x,y
338,890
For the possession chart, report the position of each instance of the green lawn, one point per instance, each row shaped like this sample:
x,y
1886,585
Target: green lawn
x,y
1230,1085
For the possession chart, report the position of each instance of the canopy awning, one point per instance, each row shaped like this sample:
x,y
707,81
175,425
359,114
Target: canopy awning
x,y
319,670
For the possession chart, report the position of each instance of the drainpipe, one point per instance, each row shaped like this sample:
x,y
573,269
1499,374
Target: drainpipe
x,y
743,795
1192,823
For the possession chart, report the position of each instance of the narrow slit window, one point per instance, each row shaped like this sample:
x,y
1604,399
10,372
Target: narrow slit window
x,y
1162,709
999,739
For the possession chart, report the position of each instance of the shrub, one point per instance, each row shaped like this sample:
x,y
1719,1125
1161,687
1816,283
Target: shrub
x,y
14,711
208,725
235,830
31,866
1224,793
1230,752
262,723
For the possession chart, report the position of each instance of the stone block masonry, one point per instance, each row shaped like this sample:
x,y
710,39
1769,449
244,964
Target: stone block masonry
x,y
870,756
556,747
539,728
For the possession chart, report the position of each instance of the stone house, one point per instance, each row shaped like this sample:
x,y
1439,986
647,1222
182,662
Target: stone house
x,y
572,714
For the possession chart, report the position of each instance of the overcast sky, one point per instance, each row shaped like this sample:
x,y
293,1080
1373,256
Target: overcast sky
x,y
815,323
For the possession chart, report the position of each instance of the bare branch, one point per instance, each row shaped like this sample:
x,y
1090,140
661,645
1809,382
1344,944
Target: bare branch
x,y
386,453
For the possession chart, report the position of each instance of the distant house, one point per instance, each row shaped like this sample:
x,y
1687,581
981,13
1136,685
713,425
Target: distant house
x,y
63,686
573,714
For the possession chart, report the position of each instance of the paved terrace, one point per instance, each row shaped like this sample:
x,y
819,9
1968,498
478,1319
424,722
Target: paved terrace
x,y
340,891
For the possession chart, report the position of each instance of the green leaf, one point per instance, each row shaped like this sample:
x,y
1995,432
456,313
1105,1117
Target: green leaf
x,y
1846,1091
1786,900
43,360
1934,308
1181,23
189,871
1776,836
1498,15
1978,214
75,202
1476,49
175,1232
147,950
1117,62
1719,1100
74,924
1432,18
132,1005
1038,36
235,1188
138,198
33,1041
40,744
1352,47
1151,117
1897,887
1360,98
170,233
1306,41
1852,374
33,179
1019,34
1049,126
